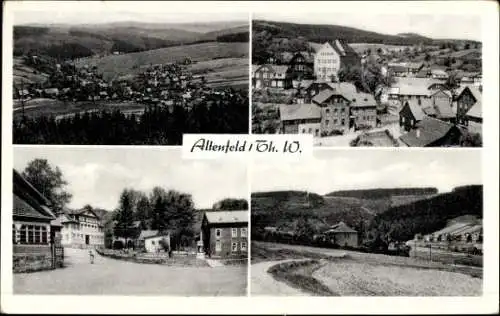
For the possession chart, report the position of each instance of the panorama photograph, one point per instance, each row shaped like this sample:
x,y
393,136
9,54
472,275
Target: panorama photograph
x,y
380,80
123,221
405,223
128,77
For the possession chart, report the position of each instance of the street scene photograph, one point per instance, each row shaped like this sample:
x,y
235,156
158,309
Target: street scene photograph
x,y
386,223
379,80
128,221
114,76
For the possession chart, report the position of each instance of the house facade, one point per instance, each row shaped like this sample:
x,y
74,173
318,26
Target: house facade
x,y
334,111
302,65
272,76
342,235
35,235
81,229
331,56
224,234
293,115
474,119
153,241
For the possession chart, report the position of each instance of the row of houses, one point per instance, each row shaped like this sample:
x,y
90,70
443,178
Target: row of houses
x,y
441,121
323,65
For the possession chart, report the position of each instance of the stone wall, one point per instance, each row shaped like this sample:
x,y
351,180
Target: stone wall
x,y
30,258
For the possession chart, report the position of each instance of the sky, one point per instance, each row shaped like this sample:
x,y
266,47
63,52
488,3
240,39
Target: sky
x,y
69,12
97,176
333,170
452,26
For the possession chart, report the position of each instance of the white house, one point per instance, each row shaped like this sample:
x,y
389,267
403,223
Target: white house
x,y
331,56
81,229
151,240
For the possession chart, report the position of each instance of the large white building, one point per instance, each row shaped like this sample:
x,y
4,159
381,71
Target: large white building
x,y
331,56
82,229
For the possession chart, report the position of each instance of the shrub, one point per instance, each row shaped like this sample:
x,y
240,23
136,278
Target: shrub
x,y
118,244
336,132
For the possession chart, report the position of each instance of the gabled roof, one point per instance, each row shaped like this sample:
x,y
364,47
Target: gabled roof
x,y
342,48
223,217
340,228
28,201
291,112
415,109
444,110
430,130
474,91
476,110
322,96
362,99
279,69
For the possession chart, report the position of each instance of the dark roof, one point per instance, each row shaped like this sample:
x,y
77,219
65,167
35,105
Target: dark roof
x,y
28,201
415,109
151,233
342,48
23,208
430,130
322,96
340,228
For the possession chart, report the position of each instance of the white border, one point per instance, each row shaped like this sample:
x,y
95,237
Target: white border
x,y
488,303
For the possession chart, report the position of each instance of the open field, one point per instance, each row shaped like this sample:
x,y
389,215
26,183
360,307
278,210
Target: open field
x,y
114,66
367,274
226,72
59,109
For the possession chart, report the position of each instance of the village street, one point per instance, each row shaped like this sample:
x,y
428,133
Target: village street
x,y
263,284
114,277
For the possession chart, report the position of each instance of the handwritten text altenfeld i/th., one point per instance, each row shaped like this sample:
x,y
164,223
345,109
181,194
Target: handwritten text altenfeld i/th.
x,y
238,145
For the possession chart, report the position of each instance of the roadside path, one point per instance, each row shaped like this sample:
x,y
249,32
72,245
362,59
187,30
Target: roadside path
x,y
262,283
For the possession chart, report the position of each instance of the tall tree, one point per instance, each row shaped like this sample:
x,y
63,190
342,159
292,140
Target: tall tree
x,y
125,217
49,181
230,204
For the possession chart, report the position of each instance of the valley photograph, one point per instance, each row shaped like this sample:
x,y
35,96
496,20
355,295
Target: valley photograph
x,y
116,76
400,223
378,80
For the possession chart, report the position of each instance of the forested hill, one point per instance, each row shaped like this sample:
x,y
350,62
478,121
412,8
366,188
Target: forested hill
x,y
383,193
321,33
426,216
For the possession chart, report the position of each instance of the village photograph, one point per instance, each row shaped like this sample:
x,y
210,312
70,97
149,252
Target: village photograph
x,y
382,80
391,223
118,77
125,222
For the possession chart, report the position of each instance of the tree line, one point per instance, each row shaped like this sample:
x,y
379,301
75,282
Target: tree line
x,y
155,126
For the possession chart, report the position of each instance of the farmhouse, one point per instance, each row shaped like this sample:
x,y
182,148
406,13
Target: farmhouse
x,y
225,234
272,76
342,235
153,241
302,65
466,98
331,56
81,229
432,132
35,237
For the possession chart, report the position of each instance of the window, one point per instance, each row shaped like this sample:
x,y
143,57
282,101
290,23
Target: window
x,y
234,246
335,110
152,242
303,131
335,121
243,246
234,232
243,232
327,111
218,232
343,121
327,122
218,246
31,235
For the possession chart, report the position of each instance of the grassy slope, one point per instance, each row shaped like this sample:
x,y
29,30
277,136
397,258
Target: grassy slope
x,y
114,66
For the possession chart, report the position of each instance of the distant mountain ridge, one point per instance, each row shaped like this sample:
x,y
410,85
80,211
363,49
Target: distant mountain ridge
x,y
321,33
74,41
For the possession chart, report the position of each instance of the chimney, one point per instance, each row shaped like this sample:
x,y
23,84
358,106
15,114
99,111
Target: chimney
x,y
418,132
